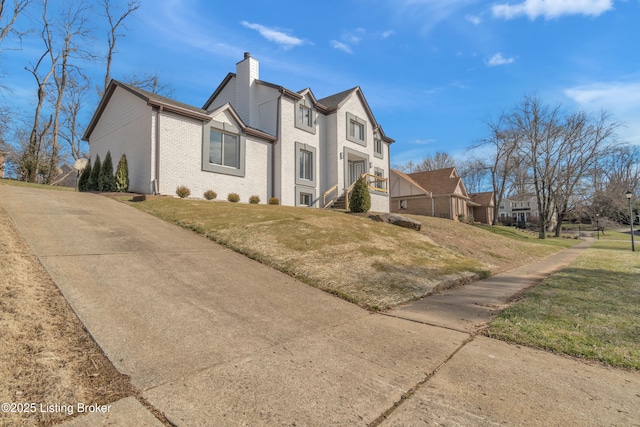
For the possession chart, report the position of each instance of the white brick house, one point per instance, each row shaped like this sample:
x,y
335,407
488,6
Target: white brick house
x,y
250,137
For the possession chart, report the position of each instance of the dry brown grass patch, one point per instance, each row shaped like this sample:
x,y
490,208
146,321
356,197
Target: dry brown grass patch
x,y
47,357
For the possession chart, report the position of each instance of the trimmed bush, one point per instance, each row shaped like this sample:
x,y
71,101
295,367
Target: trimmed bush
x,y
122,175
210,194
254,200
274,201
183,192
94,178
233,197
106,180
85,176
360,199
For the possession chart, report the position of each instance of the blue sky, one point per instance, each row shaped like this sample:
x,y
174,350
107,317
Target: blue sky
x,y
432,70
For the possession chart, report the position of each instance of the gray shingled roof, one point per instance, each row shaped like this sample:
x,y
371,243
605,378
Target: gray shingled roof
x,y
332,102
159,99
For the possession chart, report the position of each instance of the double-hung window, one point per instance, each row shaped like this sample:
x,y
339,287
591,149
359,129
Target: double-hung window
x,y
356,130
306,165
377,148
304,116
224,149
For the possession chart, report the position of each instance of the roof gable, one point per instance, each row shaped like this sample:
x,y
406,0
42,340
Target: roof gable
x,y
441,181
483,199
410,180
228,108
152,100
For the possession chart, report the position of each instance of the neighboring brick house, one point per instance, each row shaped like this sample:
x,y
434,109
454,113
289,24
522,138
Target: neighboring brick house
x,y
251,137
440,193
483,206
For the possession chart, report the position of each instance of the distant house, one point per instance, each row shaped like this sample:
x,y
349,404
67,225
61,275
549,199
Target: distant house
x,y
440,193
521,208
250,137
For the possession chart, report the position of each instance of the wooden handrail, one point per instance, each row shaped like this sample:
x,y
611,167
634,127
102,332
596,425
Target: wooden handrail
x,y
326,193
372,180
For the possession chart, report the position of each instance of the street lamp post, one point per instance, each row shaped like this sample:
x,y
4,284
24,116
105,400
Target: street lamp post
x,y
633,244
597,226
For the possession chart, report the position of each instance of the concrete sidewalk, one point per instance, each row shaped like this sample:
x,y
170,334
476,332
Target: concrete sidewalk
x,y
470,307
212,338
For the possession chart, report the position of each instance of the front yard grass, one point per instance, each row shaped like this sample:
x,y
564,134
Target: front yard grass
x,y
372,264
589,309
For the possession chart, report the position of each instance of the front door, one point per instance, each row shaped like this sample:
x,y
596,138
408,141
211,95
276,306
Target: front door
x,y
356,168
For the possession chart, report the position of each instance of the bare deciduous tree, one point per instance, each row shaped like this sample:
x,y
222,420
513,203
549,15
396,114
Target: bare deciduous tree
x,y
584,140
70,126
501,164
150,82
473,173
8,20
553,149
440,160
71,29
115,22
31,158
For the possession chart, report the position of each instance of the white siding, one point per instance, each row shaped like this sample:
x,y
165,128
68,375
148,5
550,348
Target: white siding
x,y
181,162
226,96
125,127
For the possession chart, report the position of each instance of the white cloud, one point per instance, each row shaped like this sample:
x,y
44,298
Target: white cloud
x,y
552,8
422,141
474,19
386,34
428,13
341,46
620,98
498,59
353,38
275,35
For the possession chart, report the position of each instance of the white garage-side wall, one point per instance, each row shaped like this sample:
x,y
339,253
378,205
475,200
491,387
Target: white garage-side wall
x,y
125,127
181,149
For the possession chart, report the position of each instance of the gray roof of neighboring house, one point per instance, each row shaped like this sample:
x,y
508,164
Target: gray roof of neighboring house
x,y
520,197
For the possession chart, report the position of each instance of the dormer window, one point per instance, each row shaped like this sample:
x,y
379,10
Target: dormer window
x,y
377,148
356,129
304,116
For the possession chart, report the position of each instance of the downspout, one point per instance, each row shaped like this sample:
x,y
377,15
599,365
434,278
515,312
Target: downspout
x,y
273,149
433,208
156,190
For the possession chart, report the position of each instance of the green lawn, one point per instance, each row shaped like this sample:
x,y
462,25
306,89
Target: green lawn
x,y
527,236
590,309
372,264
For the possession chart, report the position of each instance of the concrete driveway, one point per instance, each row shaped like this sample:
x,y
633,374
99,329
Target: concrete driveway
x,y
212,338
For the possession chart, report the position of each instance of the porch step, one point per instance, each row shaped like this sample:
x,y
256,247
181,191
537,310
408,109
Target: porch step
x,y
340,203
